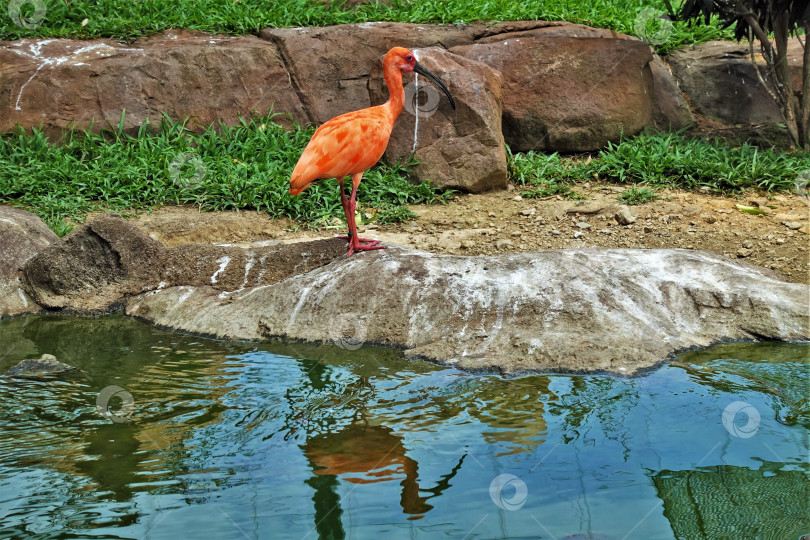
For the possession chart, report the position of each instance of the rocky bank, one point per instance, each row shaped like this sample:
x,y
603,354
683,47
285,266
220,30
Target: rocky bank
x,y
577,310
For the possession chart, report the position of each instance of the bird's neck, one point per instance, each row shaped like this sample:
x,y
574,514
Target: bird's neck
x,y
393,79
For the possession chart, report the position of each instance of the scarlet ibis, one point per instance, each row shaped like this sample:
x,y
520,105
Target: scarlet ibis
x,y
351,143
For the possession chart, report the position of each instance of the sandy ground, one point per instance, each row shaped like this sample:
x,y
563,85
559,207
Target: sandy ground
x,y
503,222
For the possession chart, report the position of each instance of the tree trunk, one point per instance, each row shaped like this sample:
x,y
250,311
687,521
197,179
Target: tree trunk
x,y
781,70
805,103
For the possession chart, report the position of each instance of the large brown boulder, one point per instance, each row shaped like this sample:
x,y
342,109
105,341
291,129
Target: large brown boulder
x,y
460,149
670,111
569,94
330,66
721,82
58,82
22,235
616,310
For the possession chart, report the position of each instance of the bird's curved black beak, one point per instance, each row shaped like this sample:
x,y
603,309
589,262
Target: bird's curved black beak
x,y
421,70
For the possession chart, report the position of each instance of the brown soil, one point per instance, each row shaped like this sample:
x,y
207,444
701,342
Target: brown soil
x,y
503,222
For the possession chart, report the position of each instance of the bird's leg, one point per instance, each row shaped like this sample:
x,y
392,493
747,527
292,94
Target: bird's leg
x,y
355,242
343,201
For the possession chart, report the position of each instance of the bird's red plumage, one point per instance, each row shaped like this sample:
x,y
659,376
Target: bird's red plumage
x,y
343,146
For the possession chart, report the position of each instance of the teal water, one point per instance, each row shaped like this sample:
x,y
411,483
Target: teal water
x,y
209,439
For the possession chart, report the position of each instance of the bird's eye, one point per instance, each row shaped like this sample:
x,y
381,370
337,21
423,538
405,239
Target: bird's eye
x,y
409,58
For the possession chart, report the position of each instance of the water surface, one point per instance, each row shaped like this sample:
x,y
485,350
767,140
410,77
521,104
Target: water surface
x,y
212,439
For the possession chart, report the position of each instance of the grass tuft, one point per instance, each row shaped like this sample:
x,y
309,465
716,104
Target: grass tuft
x,y
637,195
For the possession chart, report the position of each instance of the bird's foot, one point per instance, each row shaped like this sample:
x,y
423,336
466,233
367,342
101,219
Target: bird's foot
x,y
349,238
363,244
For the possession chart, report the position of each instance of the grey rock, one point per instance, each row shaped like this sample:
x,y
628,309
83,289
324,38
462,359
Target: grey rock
x,y
46,365
616,310
721,83
671,112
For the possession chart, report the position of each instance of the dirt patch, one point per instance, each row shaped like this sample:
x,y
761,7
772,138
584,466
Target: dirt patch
x,y
504,222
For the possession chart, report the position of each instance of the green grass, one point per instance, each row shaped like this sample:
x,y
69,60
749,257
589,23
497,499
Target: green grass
x,y
241,167
130,19
248,167
637,195
659,159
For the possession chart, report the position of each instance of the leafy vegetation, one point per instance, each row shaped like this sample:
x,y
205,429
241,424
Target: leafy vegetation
x,y
127,19
664,159
241,167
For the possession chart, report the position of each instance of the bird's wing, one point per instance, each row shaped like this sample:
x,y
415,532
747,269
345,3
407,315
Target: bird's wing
x,y
343,146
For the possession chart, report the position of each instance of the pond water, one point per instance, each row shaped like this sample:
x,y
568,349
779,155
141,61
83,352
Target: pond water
x,y
161,435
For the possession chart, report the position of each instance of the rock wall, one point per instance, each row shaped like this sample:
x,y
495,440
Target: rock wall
x,y
314,74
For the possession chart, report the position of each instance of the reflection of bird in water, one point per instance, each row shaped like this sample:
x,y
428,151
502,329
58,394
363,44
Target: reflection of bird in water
x,y
364,454
359,453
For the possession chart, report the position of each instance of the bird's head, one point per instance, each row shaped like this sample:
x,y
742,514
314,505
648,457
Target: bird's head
x,y
404,60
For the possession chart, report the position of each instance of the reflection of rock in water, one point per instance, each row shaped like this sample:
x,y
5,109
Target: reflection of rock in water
x,y
735,502
735,368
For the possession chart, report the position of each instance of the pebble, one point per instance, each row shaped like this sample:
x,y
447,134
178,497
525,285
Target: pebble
x,y
792,225
708,218
583,225
503,243
624,216
517,198
555,232
743,252
578,234
517,234
748,244
527,212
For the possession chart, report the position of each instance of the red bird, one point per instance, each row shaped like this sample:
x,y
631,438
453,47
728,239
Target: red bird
x,y
351,143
